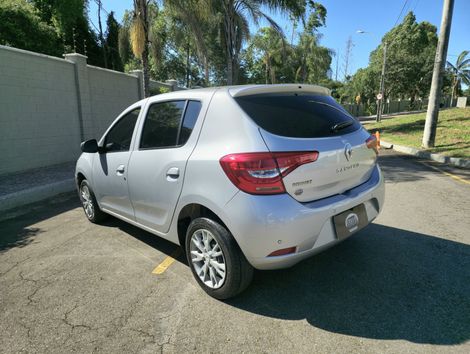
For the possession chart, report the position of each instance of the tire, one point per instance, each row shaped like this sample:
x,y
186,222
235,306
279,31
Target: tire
x,y
90,206
238,272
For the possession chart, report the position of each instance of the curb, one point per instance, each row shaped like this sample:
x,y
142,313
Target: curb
x,y
455,161
35,194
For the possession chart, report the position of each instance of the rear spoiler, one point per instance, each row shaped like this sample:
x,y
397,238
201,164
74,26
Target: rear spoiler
x,y
258,89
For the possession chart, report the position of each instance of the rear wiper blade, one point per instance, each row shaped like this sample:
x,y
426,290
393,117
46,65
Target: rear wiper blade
x,y
342,125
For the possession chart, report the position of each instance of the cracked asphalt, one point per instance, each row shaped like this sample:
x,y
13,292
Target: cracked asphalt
x,y
400,285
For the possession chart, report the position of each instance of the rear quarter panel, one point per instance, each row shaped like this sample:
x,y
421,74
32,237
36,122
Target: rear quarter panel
x,y
225,130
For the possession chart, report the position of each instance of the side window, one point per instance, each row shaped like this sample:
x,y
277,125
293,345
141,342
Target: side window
x,y
120,136
190,116
162,125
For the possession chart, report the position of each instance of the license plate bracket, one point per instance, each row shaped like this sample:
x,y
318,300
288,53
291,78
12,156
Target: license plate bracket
x,y
350,221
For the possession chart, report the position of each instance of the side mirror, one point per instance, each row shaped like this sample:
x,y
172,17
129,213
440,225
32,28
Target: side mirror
x,y
90,146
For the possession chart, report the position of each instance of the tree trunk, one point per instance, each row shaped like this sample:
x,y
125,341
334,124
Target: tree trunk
x,y
187,66
266,72
145,53
146,71
235,69
454,90
206,70
230,41
432,114
229,70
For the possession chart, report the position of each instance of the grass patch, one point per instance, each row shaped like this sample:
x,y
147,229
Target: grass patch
x,y
452,137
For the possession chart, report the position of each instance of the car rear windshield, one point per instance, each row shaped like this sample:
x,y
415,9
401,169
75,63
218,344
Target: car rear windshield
x,y
298,115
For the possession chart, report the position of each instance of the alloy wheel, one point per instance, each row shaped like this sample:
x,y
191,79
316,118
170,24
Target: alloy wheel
x,y
87,202
207,258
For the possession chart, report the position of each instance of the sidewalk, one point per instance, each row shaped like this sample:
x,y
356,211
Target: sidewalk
x,y
30,186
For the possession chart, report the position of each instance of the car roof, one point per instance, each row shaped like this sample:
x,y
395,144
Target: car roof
x,y
244,90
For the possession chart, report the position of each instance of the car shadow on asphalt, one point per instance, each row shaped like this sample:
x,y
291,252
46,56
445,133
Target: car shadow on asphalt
x,y
16,228
158,243
401,168
383,283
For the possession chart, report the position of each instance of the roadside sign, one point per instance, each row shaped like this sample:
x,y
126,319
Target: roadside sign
x,y
379,96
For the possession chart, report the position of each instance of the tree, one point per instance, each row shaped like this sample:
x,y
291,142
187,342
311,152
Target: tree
x,y
139,34
22,27
124,45
460,72
112,43
235,16
410,57
269,58
70,21
410,53
193,20
269,45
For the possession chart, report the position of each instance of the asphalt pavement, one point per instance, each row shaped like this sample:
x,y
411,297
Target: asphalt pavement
x,y
401,285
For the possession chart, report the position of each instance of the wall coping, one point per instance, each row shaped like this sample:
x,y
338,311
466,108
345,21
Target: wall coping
x,y
110,71
44,56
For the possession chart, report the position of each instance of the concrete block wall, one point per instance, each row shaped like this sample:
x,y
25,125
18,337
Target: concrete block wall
x,y
110,93
38,111
49,105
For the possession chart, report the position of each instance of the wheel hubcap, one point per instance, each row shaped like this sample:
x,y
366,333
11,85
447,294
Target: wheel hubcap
x,y
207,258
87,202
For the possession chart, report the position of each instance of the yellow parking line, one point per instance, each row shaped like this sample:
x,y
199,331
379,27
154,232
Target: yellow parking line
x,y
457,178
168,261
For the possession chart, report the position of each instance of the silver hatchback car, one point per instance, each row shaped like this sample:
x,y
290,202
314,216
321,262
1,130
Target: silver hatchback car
x,y
242,177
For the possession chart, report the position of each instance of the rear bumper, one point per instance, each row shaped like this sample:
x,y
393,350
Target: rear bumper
x,y
263,224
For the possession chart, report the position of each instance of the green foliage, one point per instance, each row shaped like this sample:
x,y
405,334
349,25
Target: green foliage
x,y
67,17
46,26
460,72
21,26
411,48
270,59
196,42
112,43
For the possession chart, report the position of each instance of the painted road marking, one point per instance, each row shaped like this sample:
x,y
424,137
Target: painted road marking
x,y
168,261
457,178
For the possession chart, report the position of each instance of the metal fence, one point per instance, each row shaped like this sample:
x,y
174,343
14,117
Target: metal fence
x,y
398,106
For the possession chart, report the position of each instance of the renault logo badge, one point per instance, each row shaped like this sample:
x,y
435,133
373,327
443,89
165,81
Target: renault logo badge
x,y
348,151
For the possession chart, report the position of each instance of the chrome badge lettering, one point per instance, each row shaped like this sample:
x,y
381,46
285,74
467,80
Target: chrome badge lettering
x,y
296,184
347,168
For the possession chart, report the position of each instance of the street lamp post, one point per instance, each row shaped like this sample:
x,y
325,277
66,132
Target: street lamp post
x,y
380,97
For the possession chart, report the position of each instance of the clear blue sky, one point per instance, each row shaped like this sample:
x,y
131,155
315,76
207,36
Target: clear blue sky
x,y
345,17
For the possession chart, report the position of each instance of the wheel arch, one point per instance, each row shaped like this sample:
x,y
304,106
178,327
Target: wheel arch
x,y
80,177
193,211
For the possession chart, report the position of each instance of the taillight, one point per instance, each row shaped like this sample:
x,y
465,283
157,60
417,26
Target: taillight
x,y
372,143
262,172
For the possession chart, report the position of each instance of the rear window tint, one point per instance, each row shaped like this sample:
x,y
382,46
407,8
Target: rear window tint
x,y
297,115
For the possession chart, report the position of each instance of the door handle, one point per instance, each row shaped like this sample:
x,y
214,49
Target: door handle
x,y
173,173
120,170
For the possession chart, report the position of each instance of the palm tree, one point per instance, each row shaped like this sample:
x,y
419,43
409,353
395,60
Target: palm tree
x,y
272,47
139,35
192,12
196,15
460,71
235,16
